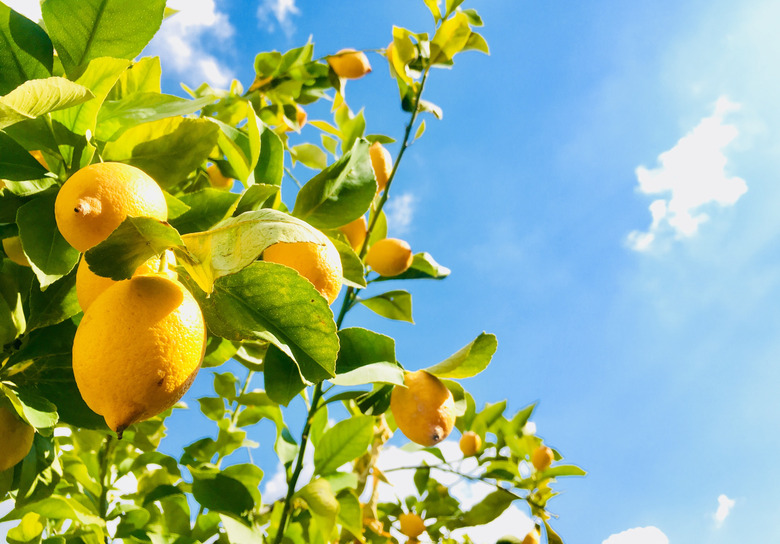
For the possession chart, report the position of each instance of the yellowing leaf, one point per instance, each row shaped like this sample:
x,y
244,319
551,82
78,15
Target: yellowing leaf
x,y
39,96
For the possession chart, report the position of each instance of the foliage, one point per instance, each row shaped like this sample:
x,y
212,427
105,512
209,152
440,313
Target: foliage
x,y
93,101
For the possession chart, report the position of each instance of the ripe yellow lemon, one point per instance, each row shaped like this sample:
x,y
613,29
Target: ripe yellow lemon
x,y
350,64
138,348
97,198
13,249
381,163
470,443
217,179
532,537
356,232
320,264
390,257
542,457
411,524
424,410
89,285
17,437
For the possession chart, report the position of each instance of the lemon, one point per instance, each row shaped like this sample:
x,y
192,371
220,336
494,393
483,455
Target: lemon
x,y
89,285
356,232
542,457
320,264
138,348
381,163
13,249
219,180
17,437
411,524
470,443
390,257
532,537
97,198
424,410
349,64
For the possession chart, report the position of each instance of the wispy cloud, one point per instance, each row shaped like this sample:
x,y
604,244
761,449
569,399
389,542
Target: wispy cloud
x,y
400,212
185,38
690,176
639,535
271,13
724,509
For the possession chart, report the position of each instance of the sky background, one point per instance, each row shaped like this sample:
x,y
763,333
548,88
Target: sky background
x,y
604,188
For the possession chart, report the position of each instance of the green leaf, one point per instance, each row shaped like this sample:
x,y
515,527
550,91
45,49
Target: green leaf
x,y
212,407
433,7
322,503
237,242
255,197
26,51
248,474
375,402
16,164
309,155
37,410
270,164
421,477
239,533
477,43
207,207
241,149
168,149
366,357
50,255
468,361
486,510
458,394
225,385
221,493
29,529
271,302
55,305
552,536
451,5
423,267
142,76
133,242
339,194
350,127
40,96
562,470
392,305
100,28
350,513
342,443
351,266
116,116
283,380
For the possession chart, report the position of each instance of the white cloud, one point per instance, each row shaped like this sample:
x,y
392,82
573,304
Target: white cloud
x,y
400,212
640,535
29,8
182,42
724,509
273,12
691,175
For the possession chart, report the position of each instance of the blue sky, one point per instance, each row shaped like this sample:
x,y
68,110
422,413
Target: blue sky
x,y
653,355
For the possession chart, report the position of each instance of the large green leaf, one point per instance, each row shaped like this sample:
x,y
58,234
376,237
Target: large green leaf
x,y
25,50
352,268
270,163
423,267
345,441
366,357
16,164
221,493
133,242
322,503
271,302
55,304
100,28
141,77
486,510
469,360
341,193
241,147
116,116
238,241
392,305
283,379
34,98
206,208
168,149
51,257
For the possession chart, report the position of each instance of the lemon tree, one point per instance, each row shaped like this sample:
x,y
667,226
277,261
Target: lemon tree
x,y
146,238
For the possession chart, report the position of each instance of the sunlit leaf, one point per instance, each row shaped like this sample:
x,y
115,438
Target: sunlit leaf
x,y
342,443
26,53
468,361
40,96
392,305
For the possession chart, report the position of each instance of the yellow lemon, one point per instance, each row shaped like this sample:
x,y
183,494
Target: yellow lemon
x,y
320,264
542,457
424,410
17,437
217,179
138,349
411,524
349,64
356,232
390,257
470,443
381,163
532,537
13,249
89,285
97,198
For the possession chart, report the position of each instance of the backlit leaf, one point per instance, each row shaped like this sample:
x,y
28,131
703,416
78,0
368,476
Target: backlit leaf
x,y
345,441
37,97
468,361
26,52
